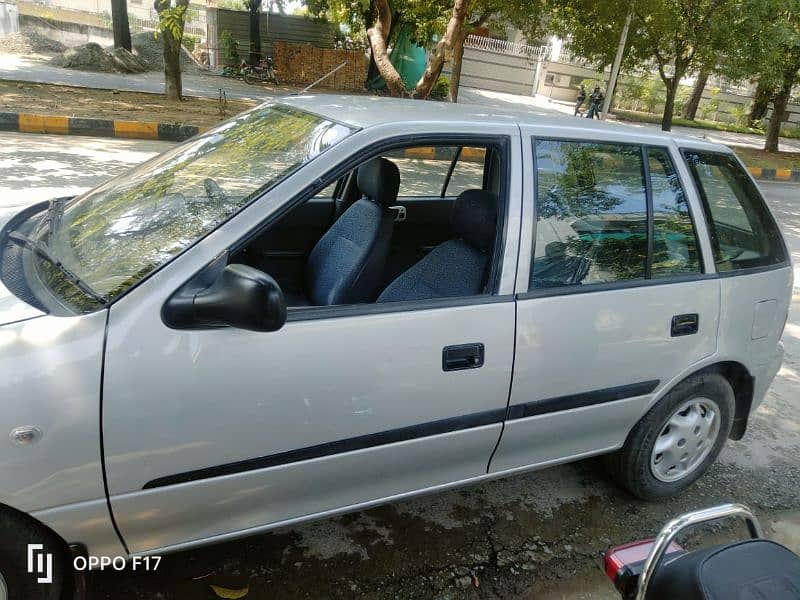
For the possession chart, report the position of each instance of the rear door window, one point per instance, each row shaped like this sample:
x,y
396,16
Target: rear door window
x,y
591,214
743,233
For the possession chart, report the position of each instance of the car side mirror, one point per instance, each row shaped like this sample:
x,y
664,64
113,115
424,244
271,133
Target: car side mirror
x,y
240,296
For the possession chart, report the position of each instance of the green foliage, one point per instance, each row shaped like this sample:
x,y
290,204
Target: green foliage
x,y
709,108
230,47
441,88
172,18
189,41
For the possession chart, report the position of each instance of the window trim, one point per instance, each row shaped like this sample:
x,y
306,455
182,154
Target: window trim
x,y
648,280
501,142
710,223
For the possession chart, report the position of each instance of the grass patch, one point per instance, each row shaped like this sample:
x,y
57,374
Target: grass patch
x,y
755,157
643,117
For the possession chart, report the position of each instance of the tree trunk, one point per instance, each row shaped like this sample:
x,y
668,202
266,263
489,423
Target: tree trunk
x,y
119,23
761,99
173,86
377,35
458,61
690,108
254,8
436,59
779,103
669,105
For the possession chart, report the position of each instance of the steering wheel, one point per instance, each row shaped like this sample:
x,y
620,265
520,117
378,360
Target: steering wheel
x,y
213,191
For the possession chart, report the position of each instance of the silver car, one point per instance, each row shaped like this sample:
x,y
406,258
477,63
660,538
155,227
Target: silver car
x,y
328,303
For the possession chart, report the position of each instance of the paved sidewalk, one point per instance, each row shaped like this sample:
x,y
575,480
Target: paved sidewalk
x,y
23,68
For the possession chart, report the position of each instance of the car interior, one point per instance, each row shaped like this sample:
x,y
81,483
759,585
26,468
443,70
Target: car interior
x,y
414,223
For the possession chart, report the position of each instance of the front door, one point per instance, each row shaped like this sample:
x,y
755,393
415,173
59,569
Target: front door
x,y
613,306
224,431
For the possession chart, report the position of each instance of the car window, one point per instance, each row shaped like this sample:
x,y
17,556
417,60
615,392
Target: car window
x,y
675,247
423,170
743,233
591,214
112,237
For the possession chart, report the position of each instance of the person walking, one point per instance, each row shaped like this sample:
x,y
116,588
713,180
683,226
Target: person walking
x,y
595,103
579,100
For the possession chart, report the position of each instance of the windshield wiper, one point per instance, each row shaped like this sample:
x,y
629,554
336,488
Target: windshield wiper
x,y
52,217
42,251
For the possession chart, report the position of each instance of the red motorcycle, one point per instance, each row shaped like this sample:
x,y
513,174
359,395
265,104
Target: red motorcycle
x,y
660,569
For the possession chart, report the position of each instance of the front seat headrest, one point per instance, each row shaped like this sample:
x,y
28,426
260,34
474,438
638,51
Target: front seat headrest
x,y
379,180
474,218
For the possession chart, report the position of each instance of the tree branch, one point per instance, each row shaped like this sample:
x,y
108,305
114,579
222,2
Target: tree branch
x,y
377,40
436,59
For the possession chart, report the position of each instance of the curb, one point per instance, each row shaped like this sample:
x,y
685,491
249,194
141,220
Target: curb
x,y
146,130
770,174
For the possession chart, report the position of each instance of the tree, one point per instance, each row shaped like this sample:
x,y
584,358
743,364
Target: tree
x,y
171,20
428,23
254,9
119,23
673,35
378,36
690,108
770,54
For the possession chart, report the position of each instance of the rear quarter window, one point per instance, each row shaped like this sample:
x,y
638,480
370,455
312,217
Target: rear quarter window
x,y
742,231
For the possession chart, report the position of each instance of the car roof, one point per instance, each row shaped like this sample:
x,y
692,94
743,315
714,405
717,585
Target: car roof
x,y
368,111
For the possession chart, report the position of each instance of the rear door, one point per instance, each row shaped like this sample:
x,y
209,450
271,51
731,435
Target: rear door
x,y
613,300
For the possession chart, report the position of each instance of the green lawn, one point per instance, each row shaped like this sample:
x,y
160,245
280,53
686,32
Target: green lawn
x,y
643,117
754,157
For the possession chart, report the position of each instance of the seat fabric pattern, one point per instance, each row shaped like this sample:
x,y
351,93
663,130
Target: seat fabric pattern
x,y
346,264
453,268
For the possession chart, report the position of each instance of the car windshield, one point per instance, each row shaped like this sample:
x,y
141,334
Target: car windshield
x,y
115,235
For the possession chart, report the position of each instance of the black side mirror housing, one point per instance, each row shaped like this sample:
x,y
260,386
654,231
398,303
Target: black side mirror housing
x,y
239,296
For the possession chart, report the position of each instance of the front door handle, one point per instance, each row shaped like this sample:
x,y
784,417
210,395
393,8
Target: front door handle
x,y
463,356
687,324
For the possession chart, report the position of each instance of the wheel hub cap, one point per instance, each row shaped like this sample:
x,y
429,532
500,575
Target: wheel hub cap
x,y
685,440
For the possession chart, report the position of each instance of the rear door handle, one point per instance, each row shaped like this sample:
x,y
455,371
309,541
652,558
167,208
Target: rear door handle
x,y
687,324
463,356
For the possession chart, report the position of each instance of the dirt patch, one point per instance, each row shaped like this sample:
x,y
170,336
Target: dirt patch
x,y
111,104
93,57
148,55
29,42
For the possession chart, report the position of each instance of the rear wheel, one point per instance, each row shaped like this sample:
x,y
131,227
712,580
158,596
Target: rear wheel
x,y
677,440
250,77
16,582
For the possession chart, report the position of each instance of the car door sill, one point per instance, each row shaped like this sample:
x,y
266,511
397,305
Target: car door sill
x,y
224,537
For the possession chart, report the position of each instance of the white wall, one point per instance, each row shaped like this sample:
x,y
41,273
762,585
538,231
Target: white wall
x,y
9,19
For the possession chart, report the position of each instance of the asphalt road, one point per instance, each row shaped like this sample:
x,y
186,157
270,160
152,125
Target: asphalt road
x,y
531,536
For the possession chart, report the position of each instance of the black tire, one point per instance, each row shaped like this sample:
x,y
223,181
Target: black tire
x,y
631,467
16,532
250,78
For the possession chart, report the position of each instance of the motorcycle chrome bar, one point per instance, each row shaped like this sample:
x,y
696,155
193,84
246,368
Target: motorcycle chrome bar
x,y
674,527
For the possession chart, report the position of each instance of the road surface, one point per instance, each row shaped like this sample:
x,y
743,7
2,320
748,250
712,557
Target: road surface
x,y
530,536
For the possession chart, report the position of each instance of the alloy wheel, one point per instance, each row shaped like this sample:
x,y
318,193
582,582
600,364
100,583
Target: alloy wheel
x,y
685,440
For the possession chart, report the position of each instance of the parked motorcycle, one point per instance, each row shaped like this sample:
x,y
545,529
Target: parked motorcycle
x,y
263,72
660,569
